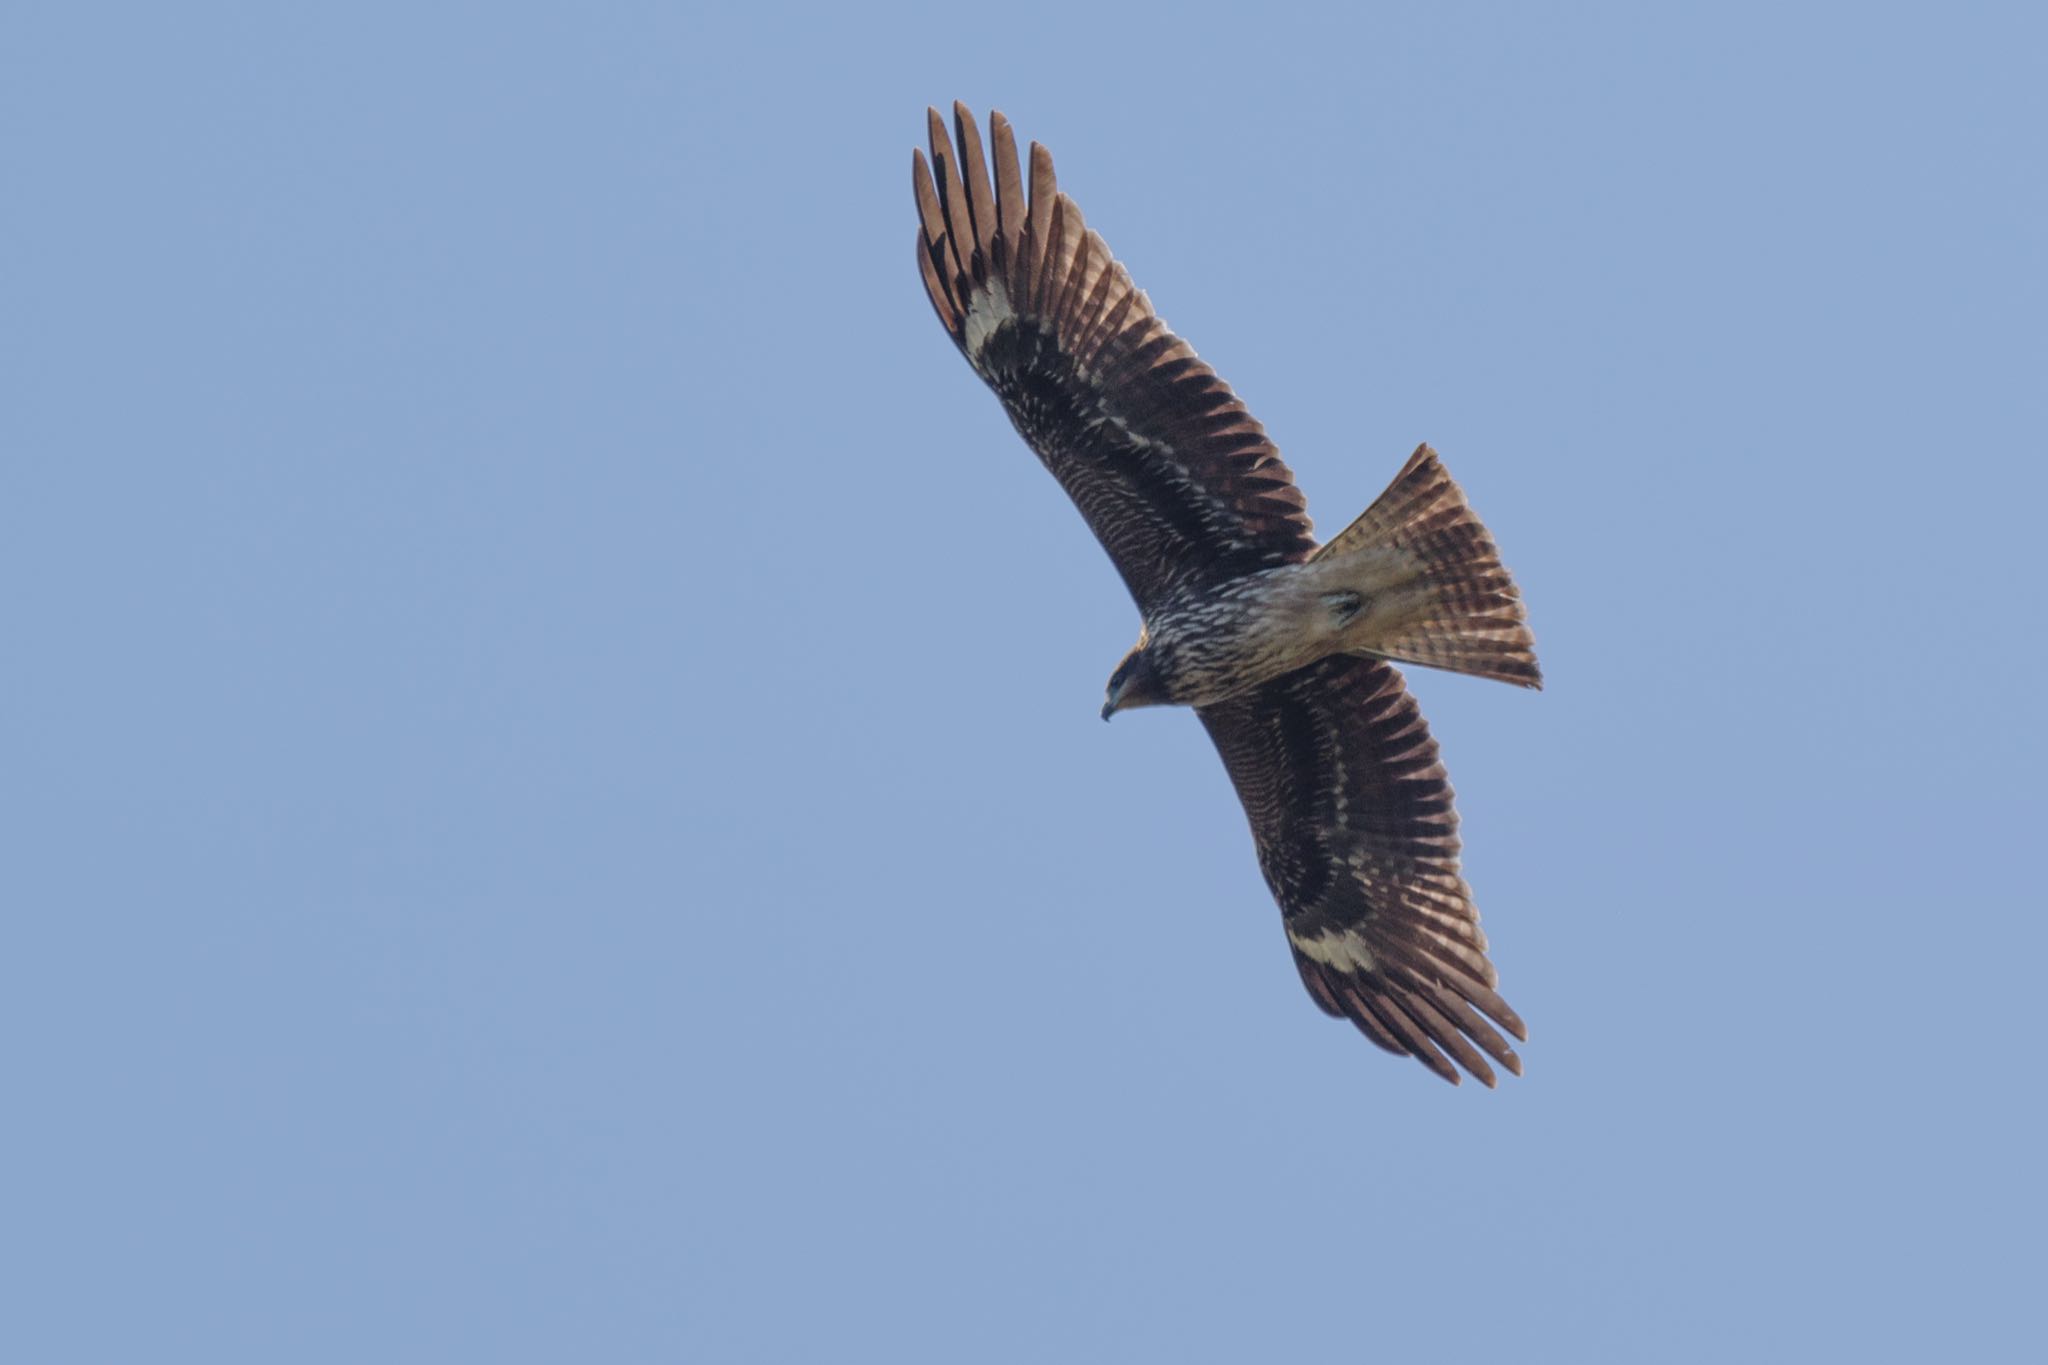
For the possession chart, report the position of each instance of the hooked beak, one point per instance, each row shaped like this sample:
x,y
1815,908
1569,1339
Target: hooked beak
x,y
1109,708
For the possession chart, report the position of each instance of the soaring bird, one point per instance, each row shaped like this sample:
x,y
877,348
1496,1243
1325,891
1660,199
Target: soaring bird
x,y
1283,647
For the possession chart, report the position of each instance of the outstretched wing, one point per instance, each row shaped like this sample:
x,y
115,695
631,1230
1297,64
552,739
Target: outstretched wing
x,y
1175,478
1352,815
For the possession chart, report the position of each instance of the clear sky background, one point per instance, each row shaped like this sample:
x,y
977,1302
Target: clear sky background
x,y
553,801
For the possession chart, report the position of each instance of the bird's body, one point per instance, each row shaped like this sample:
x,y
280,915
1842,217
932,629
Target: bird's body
x,y
1210,644
1279,644
1380,598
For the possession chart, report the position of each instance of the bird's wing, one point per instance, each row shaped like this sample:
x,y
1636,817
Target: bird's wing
x,y
1175,478
1352,815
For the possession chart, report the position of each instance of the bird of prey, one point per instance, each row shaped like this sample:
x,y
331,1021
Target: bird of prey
x,y
1282,646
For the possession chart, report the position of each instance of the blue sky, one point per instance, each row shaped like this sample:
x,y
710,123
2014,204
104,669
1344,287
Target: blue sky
x,y
554,805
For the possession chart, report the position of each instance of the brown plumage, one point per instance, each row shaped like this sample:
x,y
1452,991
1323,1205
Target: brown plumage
x,y
1278,644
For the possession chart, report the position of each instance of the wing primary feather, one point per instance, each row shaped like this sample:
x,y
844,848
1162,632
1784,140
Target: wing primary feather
x,y
1394,1020
1475,1026
1318,990
958,222
980,202
1454,976
1412,1018
1368,1023
1009,186
1052,261
931,241
935,287
1045,194
929,219
1445,1035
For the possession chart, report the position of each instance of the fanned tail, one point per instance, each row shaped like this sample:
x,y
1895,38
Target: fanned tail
x,y
1429,583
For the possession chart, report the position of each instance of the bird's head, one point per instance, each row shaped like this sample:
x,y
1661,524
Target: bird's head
x,y
1135,683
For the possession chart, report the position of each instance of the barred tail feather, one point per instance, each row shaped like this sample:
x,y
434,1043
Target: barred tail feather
x,y
1429,582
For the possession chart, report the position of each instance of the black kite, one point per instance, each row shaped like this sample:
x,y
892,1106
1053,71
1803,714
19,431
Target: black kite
x,y
1280,645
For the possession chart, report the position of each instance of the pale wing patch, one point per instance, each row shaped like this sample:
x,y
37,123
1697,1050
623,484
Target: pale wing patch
x,y
1343,949
988,308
